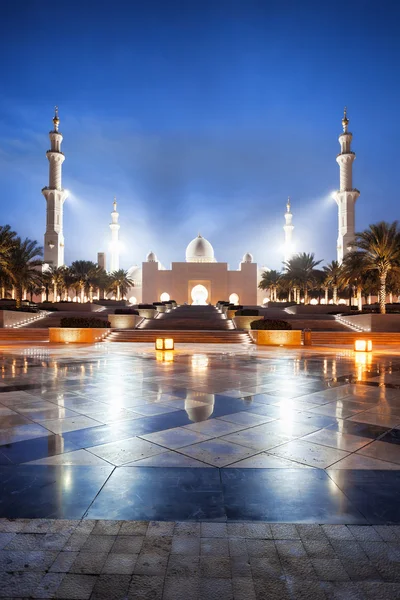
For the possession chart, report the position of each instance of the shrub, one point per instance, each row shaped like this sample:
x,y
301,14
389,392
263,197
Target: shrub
x,y
158,303
145,306
126,311
270,324
247,312
84,322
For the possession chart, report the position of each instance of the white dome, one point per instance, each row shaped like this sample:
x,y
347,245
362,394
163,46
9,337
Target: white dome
x,y
247,258
200,250
151,257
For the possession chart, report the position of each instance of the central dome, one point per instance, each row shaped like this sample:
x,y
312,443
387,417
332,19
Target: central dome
x,y
200,250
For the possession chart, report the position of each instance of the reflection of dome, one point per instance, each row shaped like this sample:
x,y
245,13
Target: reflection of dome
x,y
200,250
199,406
247,258
151,257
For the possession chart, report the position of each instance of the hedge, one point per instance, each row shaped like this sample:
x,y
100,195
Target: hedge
x,y
84,322
270,324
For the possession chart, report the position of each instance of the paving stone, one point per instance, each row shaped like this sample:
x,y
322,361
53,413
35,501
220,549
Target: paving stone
x,y
5,538
359,570
157,545
262,548
123,564
160,528
257,530
290,548
187,529
106,528
98,543
76,542
266,568
338,590
329,569
90,563
53,541
33,560
284,531
85,527
243,589
127,544
380,591
214,546
111,586
338,532
176,588
240,566
186,544
389,571
12,525
347,550
271,590
300,568
151,564
19,584
237,547
49,585
38,526
311,532
76,587
382,551
216,589
26,541
236,530
215,567
386,533
133,528
319,548
63,562
305,590
365,533
144,587
183,566
217,530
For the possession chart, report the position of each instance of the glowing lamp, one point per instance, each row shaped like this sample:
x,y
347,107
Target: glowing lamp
x,y
164,344
363,345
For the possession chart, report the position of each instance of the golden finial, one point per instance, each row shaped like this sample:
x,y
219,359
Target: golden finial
x,y
345,120
115,204
56,120
288,205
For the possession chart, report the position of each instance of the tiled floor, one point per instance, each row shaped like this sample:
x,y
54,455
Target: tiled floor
x,y
116,431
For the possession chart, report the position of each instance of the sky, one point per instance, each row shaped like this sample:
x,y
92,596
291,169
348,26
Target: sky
x,y
199,116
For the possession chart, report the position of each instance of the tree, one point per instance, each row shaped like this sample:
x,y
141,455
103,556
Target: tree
x,y
379,251
119,283
84,273
300,271
270,281
25,262
7,240
353,274
333,277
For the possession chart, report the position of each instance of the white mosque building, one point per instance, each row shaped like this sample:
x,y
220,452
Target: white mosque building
x,y
200,278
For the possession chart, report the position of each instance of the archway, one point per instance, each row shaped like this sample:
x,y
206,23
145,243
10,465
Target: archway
x,y
199,295
234,299
165,297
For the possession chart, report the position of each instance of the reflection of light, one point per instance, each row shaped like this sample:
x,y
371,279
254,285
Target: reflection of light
x,y
165,356
199,362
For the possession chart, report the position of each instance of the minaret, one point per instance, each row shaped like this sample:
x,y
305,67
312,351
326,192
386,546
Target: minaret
x,y
288,229
114,246
347,195
55,196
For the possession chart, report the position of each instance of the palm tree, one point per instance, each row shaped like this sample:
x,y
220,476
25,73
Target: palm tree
x,y
301,272
333,277
270,280
353,274
7,240
84,273
24,263
120,283
56,278
379,249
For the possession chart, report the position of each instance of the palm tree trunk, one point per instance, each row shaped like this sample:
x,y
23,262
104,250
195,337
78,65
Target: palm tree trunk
x,y
91,293
305,295
390,298
18,297
289,299
335,294
82,294
118,292
359,298
55,292
382,294
326,296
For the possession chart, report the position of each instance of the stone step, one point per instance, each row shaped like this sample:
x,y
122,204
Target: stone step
x,y
195,336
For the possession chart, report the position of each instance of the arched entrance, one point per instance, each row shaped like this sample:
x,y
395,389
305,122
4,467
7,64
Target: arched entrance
x,y
199,295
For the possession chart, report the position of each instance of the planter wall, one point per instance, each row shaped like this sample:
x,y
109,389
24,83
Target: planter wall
x,y
278,337
124,321
77,335
11,318
244,322
231,313
147,313
161,308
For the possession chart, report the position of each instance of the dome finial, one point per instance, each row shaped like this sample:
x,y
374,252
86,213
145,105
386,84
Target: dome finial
x,y
115,204
345,121
56,120
288,205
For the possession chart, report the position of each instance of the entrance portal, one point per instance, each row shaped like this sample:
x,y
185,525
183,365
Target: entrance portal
x,y
199,295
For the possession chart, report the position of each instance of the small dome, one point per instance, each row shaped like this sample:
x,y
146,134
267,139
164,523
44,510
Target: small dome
x,y
151,257
200,250
247,258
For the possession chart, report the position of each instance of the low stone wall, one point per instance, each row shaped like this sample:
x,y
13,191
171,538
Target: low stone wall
x,y
316,309
244,322
124,321
270,337
77,335
375,322
147,313
73,306
12,318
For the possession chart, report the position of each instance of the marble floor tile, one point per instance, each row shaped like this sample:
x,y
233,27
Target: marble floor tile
x,y
215,427
76,457
358,461
257,438
382,451
69,424
177,437
216,452
376,419
168,459
245,418
310,454
122,452
267,461
337,439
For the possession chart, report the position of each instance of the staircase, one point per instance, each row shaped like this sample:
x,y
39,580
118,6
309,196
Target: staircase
x,y
186,325
23,334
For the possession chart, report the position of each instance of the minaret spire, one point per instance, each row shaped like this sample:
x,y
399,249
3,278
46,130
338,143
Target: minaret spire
x,y
55,196
288,229
114,245
346,196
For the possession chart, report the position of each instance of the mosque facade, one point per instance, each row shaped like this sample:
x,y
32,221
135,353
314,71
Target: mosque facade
x,y
200,278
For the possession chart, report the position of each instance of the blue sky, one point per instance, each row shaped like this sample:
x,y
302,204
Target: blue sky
x,y
200,116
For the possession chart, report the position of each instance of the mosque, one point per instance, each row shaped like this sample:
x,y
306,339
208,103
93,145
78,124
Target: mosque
x,y
200,278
